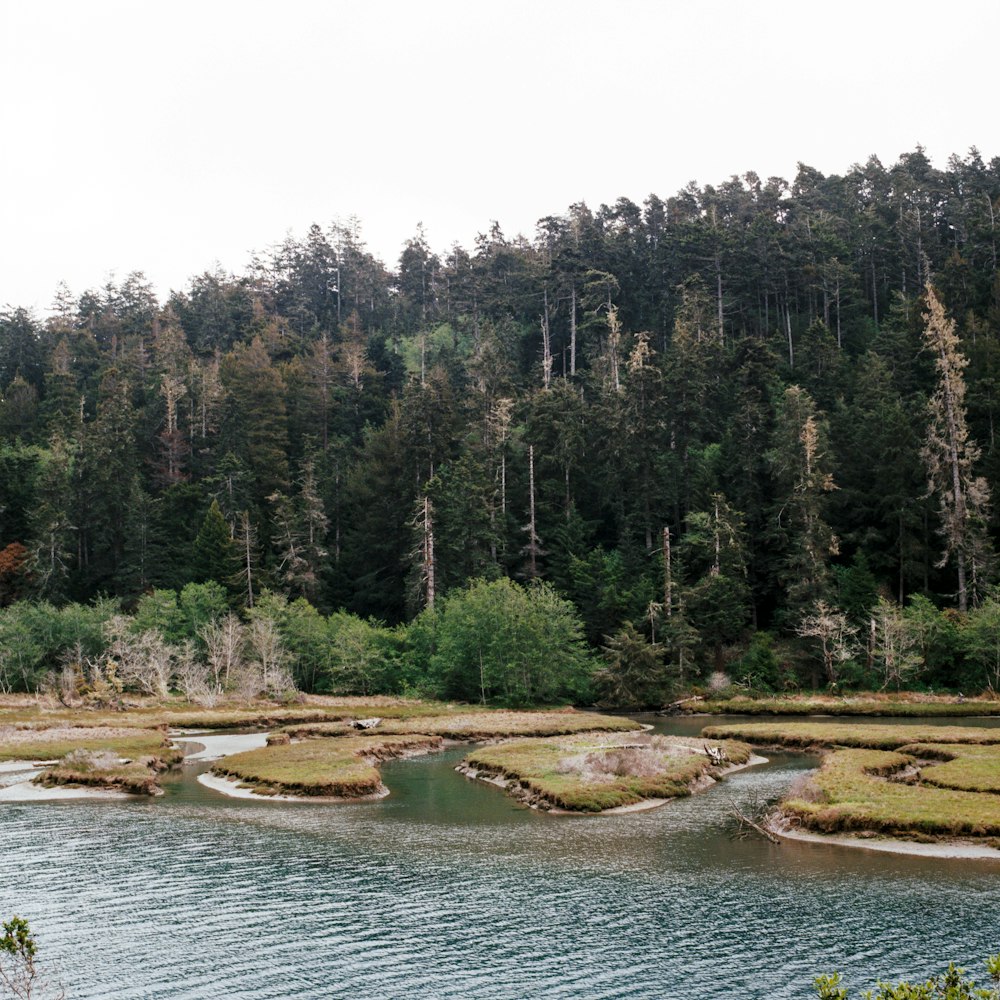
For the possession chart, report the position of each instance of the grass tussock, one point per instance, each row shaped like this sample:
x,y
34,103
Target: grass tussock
x,y
913,706
105,769
811,735
343,769
593,772
852,792
478,726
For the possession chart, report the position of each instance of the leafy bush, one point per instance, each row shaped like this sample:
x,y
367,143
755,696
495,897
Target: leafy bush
x,y
498,641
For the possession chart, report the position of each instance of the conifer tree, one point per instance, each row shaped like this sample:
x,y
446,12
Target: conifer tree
x,y
214,554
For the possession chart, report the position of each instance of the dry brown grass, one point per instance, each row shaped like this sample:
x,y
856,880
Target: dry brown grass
x,y
829,734
56,742
104,769
479,726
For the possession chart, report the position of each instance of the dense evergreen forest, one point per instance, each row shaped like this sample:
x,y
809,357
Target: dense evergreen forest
x,y
752,416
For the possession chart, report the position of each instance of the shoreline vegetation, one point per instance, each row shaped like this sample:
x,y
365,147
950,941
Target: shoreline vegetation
x,y
902,705
592,773
929,789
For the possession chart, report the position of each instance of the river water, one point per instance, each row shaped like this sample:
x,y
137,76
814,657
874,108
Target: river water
x,y
447,889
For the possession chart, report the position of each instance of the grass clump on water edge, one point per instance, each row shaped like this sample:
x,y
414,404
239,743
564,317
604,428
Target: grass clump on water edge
x,y
594,772
343,769
478,725
105,769
805,735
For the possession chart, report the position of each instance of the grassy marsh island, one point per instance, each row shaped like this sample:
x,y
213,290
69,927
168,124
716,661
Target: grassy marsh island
x,y
331,769
330,760
911,782
597,772
111,758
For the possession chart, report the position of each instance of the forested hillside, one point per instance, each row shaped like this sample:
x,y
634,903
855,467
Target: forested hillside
x,y
737,408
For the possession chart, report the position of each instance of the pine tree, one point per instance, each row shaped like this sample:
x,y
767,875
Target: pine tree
x,y
214,554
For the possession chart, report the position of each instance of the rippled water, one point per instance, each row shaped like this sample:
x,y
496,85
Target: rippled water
x,y
447,889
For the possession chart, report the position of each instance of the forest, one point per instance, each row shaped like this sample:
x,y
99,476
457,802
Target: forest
x,y
748,429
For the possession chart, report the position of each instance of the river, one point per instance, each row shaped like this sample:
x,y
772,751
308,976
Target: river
x,y
447,889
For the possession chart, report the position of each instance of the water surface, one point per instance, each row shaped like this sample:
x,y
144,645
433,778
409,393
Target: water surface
x,y
448,889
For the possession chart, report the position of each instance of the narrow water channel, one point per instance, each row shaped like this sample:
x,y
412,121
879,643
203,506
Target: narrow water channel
x,y
447,889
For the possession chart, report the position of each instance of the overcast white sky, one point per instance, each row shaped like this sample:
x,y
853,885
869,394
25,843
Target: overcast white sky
x,y
165,136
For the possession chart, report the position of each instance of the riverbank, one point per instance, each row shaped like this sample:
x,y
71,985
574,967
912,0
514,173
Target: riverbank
x,y
946,849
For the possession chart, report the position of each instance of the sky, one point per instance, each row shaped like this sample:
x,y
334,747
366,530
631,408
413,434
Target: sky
x,y
169,137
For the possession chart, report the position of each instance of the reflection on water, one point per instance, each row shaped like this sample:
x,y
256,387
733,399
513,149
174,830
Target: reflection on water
x,y
448,889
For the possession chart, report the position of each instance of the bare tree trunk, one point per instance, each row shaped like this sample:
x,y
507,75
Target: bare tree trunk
x,y
572,332
546,345
668,583
429,551
788,329
532,534
840,339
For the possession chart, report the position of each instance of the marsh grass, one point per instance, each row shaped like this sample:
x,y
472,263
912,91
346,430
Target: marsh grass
x,y
104,769
593,772
58,741
343,768
805,735
314,709
963,767
912,706
850,792
478,726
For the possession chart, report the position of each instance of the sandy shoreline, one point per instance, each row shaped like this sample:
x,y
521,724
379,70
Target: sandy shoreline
x,y
949,849
28,791
13,766
217,747
235,790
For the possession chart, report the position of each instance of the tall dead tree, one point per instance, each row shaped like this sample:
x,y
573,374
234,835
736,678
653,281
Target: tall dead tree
x,y
949,454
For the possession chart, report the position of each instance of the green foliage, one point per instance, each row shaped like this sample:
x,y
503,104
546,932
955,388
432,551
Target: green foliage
x,y
952,985
634,674
34,638
758,340
499,641
759,667
214,556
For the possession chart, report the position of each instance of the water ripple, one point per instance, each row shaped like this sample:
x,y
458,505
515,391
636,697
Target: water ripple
x,y
448,890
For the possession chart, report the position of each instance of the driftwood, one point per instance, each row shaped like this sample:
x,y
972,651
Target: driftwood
x,y
747,824
365,723
716,755
676,707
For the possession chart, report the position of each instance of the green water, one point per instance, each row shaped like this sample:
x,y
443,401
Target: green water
x,y
448,889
